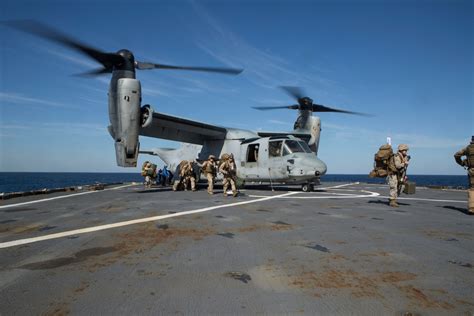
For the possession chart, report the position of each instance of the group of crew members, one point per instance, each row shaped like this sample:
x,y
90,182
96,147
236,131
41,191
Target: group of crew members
x,y
153,175
187,171
397,170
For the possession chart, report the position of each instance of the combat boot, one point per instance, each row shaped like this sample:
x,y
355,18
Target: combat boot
x,y
470,201
393,203
234,194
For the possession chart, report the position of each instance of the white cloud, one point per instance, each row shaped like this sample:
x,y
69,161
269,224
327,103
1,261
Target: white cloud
x,y
59,128
6,97
262,68
279,122
94,101
154,92
74,128
78,60
13,127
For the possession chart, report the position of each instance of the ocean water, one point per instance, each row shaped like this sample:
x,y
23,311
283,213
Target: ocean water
x,y
27,181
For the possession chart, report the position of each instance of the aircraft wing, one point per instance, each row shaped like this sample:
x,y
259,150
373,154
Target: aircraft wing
x,y
182,130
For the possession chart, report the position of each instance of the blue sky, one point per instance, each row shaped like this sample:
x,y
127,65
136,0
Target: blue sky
x,y
409,63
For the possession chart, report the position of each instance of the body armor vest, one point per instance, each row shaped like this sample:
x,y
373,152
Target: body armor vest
x,y
470,155
209,168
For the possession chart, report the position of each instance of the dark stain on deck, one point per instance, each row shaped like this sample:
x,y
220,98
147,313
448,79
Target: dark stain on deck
x,y
20,209
64,261
317,247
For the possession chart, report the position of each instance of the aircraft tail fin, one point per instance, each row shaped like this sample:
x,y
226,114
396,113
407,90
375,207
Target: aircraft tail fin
x,y
173,156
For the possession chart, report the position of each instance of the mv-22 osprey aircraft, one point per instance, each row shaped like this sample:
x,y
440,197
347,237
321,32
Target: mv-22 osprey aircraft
x,y
275,157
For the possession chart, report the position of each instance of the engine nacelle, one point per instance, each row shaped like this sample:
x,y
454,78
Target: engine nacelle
x,y
124,113
308,124
314,126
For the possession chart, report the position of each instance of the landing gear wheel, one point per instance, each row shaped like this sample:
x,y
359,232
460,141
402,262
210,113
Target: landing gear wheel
x,y
307,187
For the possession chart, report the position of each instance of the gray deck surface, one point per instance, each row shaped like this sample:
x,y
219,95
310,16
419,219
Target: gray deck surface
x,y
339,251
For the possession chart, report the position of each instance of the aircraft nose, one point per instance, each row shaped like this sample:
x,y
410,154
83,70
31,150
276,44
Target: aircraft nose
x,y
313,166
320,167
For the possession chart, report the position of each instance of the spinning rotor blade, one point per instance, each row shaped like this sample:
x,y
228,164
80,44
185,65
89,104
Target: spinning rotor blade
x,y
264,108
295,92
41,30
322,108
95,72
305,103
230,71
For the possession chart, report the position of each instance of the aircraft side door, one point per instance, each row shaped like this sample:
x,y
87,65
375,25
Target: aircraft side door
x,y
250,163
277,164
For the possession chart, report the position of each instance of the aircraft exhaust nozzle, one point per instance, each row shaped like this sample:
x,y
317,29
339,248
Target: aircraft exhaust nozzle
x,y
146,115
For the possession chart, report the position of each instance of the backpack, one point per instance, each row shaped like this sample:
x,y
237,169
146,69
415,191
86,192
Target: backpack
x,y
151,171
221,161
383,162
144,173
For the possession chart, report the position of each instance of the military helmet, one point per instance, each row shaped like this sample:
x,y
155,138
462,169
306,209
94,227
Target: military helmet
x,y
225,157
212,157
402,147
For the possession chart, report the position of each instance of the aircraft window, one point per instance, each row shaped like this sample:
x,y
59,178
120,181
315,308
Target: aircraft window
x,y
252,153
286,151
294,146
274,148
305,147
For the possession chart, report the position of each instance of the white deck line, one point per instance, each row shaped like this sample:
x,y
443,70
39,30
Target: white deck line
x,y
131,222
64,196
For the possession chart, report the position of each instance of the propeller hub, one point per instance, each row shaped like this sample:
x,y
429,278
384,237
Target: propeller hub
x,y
128,60
125,53
305,103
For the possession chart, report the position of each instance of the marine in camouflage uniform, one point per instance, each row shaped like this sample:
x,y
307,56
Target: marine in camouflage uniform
x,y
150,174
178,179
468,163
397,171
229,170
187,174
209,168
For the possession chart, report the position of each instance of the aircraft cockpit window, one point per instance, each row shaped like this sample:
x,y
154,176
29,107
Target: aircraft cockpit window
x,y
305,147
274,148
294,146
252,153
